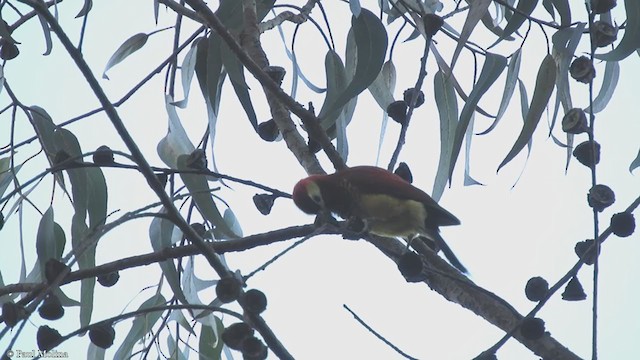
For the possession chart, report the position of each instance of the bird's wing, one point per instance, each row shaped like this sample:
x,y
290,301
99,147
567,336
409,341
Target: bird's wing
x,y
375,180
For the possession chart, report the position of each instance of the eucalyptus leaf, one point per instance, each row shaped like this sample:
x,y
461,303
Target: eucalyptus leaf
x,y
187,70
201,194
142,325
131,45
509,87
176,142
160,235
447,103
631,39
88,4
525,8
477,9
493,66
371,45
545,83
609,83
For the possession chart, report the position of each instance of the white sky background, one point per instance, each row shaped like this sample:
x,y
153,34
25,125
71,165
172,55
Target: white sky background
x,y
507,235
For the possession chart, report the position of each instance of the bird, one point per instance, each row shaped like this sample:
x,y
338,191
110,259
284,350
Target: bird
x,y
387,204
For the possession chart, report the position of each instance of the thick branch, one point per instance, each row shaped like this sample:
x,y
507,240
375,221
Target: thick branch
x,y
220,247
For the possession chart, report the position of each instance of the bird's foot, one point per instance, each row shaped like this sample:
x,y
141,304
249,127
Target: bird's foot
x,y
354,229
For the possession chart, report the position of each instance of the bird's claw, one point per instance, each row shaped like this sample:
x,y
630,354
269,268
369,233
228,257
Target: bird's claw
x,y
354,229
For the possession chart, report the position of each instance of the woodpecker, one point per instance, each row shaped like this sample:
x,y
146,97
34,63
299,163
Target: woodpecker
x,y
387,204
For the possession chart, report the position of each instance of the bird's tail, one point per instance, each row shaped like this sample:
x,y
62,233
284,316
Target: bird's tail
x,y
446,250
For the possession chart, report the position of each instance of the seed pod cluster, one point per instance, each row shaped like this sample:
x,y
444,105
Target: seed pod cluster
x,y
536,288
601,197
603,34
575,121
587,153
582,70
397,110
268,130
102,335
574,291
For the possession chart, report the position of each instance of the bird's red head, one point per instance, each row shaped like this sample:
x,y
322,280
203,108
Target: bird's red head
x,y
307,195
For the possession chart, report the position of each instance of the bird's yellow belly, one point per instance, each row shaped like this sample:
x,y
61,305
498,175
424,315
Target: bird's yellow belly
x,y
388,216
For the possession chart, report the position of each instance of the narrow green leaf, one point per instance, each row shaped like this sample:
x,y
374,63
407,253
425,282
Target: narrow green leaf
x,y
351,59
156,12
6,174
207,344
490,24
509,87
609,83
355,7
88,4
94,352
477,9
44,127
176,142
199,190
89,195
46,246
442,64
517,19
545,83
447,104
635,163
565,42
174,349
563,9
631,38
232,221
371,45
211,78
187,70
86,260
524,108
97,196
468,138
336,83
161,233
210,345
64,299
493,66
548,6
179,318
64,140
384,85
234,68
141,326
382,90
46,31
131,45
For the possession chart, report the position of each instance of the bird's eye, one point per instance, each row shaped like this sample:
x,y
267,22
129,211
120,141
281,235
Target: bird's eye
x,y
316,198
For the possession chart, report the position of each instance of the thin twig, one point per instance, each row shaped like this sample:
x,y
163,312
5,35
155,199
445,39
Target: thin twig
x,y
412,104
376,334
